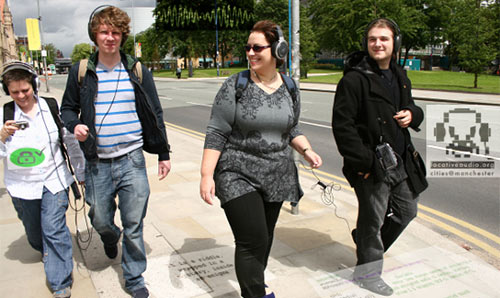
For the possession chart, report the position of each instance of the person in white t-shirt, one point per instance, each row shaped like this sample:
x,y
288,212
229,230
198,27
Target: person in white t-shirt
x,y
36,174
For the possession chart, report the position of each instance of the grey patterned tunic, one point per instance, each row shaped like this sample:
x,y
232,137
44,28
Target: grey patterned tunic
x,y
253,136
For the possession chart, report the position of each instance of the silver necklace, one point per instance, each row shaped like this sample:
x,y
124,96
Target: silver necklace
x,y
264,82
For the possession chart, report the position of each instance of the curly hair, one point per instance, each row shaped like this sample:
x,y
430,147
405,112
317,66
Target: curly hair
x,y
114,17
268,28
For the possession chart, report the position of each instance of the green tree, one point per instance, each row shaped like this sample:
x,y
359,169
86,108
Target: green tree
x,y
128,46
274,10
473,35
81,51
51,53
340,25
413,22
152,47
22,49
309,46
492,15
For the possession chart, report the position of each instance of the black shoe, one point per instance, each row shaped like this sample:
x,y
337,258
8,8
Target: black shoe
x,y
353,234
377,286
140,293
111,250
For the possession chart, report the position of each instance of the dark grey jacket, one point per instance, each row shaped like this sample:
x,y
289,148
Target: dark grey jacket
x,y
78,107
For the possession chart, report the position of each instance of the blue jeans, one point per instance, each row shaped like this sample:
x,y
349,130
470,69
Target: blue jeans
x,y
126,177
45,225
385,209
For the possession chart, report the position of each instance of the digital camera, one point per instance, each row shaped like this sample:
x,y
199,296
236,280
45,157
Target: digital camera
x,y
22,124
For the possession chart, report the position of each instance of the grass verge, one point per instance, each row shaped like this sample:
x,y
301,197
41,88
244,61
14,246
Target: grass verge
x,y
431,80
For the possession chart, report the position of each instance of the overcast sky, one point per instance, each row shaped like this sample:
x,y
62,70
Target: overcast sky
x,y
64,22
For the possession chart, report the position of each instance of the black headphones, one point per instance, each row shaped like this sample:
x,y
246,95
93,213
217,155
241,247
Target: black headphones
x,y
397,34
279,48
89,26
35,82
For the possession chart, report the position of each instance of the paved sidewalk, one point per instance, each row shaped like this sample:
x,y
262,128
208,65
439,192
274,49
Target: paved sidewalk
x,y
190,247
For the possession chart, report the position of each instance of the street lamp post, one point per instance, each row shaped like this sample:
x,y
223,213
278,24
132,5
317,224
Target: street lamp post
x,y
216,40
133,27
44,56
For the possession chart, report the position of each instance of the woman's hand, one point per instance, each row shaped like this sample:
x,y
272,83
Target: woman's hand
x,y
207,189
313,159
8,129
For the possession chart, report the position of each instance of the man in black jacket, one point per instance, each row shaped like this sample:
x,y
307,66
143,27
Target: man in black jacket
x,y
372,112
115,113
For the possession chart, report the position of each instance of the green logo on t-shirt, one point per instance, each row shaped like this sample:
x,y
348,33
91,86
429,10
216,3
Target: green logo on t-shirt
x,y
27,157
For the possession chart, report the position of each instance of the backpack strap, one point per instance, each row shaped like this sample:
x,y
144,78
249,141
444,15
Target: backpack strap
x,y
82,69
8,111
54,110
292,90
290,86
241,83
138,71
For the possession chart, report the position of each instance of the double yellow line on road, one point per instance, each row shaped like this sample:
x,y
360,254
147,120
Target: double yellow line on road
x,y
329,178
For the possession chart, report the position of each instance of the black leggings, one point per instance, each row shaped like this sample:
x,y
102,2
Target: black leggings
x,y
252,221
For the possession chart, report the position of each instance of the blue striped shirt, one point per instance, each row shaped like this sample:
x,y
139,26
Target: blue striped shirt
x,y
117,124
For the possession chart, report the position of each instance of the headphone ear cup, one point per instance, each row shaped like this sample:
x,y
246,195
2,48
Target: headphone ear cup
x,y
279,49
89,29
397,43
484,132
5,89
439,132
35,84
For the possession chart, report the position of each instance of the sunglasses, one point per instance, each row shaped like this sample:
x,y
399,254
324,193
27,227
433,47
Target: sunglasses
x,y
256,48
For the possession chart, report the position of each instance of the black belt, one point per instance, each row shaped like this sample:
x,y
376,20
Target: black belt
x,y
113,159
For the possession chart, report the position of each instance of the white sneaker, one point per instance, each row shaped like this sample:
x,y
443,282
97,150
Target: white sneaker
x,y
64,293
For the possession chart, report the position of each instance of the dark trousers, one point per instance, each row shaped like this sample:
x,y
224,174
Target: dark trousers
x,y
252,221
385,209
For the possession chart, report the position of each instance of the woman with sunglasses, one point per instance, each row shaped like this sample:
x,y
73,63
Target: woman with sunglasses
x,y
247,158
